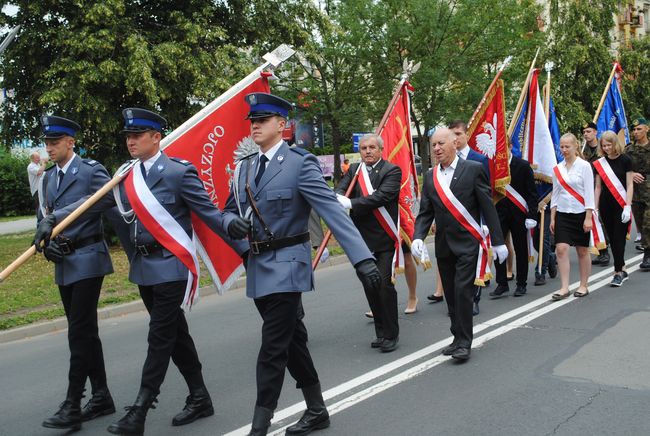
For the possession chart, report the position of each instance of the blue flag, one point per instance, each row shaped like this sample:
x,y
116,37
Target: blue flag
x,y
517,139
612,115
554,127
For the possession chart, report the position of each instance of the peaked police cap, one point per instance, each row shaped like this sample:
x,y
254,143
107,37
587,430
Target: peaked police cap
x,y
138,120
264,105
56,127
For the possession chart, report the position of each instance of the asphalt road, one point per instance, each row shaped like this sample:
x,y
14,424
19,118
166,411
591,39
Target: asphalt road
x,y
576,367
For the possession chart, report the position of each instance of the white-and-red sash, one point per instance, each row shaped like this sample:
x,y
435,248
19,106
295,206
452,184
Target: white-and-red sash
x,y
518,200
164,228
479,232
614,185
385,220
596,236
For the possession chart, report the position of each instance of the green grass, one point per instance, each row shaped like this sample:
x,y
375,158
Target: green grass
x,y
4,219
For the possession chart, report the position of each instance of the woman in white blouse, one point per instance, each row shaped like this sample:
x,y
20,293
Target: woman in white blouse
x,y
572,204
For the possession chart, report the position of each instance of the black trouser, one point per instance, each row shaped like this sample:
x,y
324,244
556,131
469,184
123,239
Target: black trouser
x,y
86,354
457,274
616,230
169,336
383,301
514,223
284,345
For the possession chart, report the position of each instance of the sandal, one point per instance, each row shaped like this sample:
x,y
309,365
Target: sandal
x,y
581,293
557,296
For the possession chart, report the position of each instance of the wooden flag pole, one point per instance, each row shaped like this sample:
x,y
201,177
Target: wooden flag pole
x,y
604,96
524,90
547,108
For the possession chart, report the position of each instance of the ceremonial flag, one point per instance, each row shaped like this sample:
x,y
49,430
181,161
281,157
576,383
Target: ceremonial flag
x,y
209,140
612,115
487,135
398,150
554,128
518,132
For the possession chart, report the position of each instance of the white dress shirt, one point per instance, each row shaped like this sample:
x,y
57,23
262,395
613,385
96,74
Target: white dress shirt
x,y
269,154
34,178
149,162
581,178
64,169
448,173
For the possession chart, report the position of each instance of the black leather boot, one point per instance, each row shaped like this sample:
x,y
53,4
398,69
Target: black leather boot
x,y
68,416
197,405
315,417
100,404
645,265
261,421
132,424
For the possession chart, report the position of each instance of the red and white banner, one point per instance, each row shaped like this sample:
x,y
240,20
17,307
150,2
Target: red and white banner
x,y
462,215
596,236
208,140
487,132
385,221
398,150
538,148
614,185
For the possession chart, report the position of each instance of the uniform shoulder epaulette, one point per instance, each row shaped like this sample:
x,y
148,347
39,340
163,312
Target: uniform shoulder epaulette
x,y
300,151
181,161
50,168
91,162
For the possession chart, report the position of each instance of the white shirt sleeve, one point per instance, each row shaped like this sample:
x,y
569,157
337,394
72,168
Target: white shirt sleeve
x,y
588,184
556,191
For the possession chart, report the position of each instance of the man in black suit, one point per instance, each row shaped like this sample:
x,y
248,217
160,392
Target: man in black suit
x,y
385,179
456,248
520,193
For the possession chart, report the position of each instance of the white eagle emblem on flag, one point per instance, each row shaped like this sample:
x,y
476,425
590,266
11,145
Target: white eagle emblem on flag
x,y
487,142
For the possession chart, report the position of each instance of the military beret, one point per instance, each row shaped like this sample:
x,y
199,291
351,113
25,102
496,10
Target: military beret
x,y
640,121
589,125
138,120
264,105
57,127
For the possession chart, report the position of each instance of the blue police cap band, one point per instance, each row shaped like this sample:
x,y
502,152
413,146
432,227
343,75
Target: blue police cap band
x,y
269,108
50,129
136,122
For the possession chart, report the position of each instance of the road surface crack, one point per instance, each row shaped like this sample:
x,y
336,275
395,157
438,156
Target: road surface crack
x,y
590,400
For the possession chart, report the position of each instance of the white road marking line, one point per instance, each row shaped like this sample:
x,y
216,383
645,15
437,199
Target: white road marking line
x,y
424,366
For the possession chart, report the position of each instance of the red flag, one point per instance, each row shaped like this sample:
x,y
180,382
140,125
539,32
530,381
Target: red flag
x,y
487,135
398,150
209,140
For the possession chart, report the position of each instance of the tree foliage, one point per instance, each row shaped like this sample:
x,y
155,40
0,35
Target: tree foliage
x,y
636,81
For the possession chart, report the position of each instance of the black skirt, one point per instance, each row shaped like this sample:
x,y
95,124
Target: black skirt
x,y
568,229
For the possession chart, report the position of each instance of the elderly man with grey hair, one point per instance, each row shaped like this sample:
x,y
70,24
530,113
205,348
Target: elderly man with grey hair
x,y
34,173
377,190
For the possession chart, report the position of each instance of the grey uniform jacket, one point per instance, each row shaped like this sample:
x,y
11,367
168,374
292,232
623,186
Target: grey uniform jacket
x,y
82,179
176,185
291,186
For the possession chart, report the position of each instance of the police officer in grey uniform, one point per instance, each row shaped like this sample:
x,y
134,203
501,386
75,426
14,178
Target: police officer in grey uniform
x,y
81,261
276,188
161,277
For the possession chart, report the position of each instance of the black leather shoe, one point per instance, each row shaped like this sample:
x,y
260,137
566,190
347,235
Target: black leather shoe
x,y
197,405
67,417
261,421
520,291
100,404
645,265
601,259
499,291
132,424
475,309
389,345
461,353
435,299
449,349
377,343
315,417
540,280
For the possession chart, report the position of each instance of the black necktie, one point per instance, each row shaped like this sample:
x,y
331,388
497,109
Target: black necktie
x,y
143,170
60,182
261,169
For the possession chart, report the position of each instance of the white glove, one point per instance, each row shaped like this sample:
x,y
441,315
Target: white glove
x,y
325,255
530,224
417,247
626,214
500,253
345,201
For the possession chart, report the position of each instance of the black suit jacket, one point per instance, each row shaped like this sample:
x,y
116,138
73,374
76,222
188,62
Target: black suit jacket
x,y
471,187
522,179
386,178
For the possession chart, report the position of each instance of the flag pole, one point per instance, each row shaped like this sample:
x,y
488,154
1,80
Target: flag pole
x,y
524,90
547,107
604,96
505,63
272,60
407,70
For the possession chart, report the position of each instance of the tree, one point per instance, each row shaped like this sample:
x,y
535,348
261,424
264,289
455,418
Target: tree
x,y
636,80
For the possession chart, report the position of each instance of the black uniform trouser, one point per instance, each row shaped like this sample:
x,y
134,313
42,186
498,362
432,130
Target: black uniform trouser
x,y
457,274
284,345
169,336
86,354
383,301
611,218
514,223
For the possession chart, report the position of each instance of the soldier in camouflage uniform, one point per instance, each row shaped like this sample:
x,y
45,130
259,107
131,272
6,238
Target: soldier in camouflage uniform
x,y
639,151
590,153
